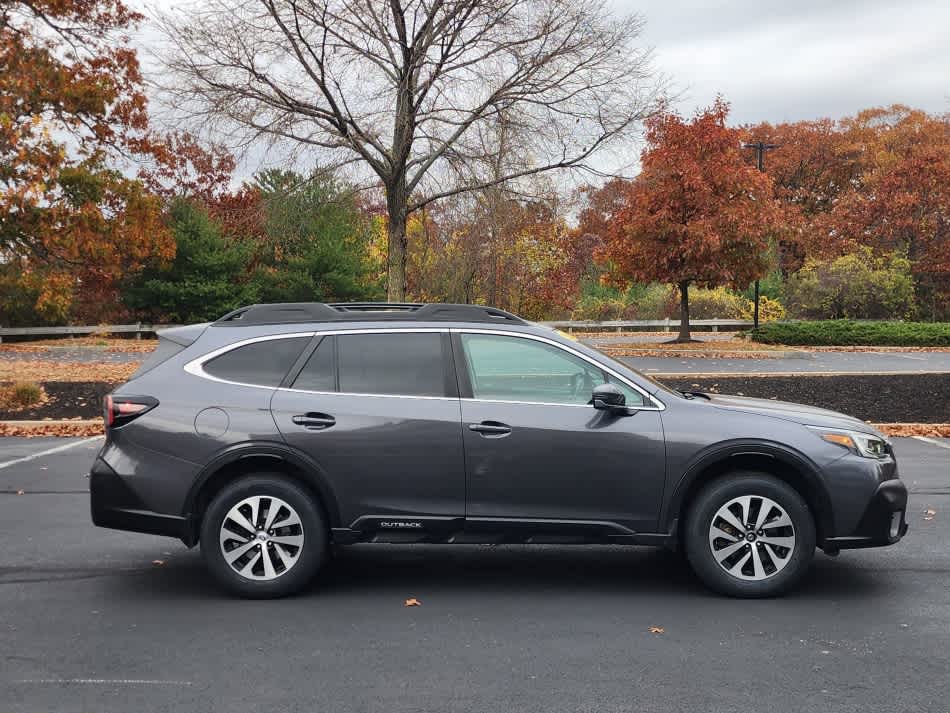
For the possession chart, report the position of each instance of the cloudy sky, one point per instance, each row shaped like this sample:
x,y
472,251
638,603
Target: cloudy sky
x,y
779,60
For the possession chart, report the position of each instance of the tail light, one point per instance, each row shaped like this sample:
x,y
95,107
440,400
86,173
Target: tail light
x,y
119,410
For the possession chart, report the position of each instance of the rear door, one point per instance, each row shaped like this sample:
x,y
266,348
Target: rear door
x,y
378,411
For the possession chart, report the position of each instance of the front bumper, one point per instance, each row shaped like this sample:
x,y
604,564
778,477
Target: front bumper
x,y
116,506
883,522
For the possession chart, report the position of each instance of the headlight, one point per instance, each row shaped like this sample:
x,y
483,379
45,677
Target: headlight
x,y
863,444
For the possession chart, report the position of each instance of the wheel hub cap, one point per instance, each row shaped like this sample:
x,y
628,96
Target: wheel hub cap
x,y
752,537
261,537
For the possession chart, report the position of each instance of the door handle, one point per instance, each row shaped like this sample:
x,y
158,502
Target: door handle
x,y
490,429
314,421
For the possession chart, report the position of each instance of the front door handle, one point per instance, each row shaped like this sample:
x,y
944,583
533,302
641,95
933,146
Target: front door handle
x,y
314,421
490,429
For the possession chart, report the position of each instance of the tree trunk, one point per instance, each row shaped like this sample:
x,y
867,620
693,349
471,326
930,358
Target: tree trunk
x,y
684,335
397,242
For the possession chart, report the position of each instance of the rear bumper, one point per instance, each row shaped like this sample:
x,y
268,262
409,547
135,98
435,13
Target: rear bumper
x,y
883,522
116,506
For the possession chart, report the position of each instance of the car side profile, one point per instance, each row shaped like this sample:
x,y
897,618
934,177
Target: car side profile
x,y
281,430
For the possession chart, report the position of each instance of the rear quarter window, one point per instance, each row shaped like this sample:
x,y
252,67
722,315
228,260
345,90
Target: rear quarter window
x,y
263,363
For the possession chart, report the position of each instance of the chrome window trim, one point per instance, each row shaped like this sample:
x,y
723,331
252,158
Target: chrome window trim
x,y
372,396
660,406
196,366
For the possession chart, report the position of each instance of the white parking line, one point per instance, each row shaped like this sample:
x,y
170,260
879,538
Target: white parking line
x,y
933,442
106,681
50,451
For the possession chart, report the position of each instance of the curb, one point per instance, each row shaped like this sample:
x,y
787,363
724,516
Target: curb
x,y
697,354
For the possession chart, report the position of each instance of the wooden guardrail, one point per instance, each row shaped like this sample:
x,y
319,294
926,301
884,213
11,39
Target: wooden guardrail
x,y
138,329
633,325
621,325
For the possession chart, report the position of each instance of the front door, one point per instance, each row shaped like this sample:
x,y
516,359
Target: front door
x,y
377,414
534,447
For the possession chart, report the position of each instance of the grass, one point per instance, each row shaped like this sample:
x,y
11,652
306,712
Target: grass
x,y
844,332
21,394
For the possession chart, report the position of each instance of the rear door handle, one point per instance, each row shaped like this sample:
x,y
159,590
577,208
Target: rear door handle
x,y
314,421
490,429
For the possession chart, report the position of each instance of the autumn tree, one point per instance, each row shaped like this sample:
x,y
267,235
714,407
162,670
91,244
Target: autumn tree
x,y
70,103
407,88
697,214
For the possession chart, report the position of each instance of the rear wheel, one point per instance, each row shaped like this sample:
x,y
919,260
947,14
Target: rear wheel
x,y
263,536
749,535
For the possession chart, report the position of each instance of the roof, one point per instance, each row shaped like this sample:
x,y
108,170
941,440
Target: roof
x,y
308,312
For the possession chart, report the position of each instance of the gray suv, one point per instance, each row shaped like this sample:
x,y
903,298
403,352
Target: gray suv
x,y
281,430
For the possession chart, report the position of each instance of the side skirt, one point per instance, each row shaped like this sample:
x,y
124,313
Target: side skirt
x,y
495,531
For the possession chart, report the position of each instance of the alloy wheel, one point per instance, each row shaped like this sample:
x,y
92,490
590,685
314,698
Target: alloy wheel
x,y
261,537
752,537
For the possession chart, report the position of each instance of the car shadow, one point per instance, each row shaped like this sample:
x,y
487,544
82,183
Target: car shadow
x,y
503,570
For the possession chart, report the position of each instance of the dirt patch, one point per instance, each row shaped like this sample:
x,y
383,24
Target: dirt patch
x,y
891,398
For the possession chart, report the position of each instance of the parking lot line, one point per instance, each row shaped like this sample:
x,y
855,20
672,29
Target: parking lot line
x,y
50,451
105,681
932,441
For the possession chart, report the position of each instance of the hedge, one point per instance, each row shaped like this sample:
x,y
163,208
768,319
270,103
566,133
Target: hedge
x,y
845,332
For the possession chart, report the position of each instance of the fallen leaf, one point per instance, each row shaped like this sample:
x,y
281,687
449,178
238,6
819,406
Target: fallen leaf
x,y
21,492
413,603
929,514
657,630
158,563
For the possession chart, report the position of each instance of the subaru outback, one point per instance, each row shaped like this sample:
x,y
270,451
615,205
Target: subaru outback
x,y
282,430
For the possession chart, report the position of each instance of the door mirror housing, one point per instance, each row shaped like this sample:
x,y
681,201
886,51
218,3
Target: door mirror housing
x,y
607,397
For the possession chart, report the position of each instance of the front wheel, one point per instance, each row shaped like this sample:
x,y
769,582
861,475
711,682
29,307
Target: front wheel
x,y
749,535
263,536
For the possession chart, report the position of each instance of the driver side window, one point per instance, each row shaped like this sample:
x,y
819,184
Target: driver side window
x,y
518,369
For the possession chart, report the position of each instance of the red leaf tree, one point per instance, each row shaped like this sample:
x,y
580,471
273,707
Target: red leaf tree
x,y
697,214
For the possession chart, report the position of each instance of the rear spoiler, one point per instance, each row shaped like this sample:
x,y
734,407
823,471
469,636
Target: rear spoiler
x,y
183,336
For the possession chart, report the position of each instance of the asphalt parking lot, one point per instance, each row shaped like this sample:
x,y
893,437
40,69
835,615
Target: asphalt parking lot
x,y
101,621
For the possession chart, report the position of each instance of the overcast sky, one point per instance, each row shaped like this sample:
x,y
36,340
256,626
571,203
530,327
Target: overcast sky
x,y
788,60
773,60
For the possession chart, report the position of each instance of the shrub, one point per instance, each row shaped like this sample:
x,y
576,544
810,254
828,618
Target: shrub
x,y
22,394
655,301
599,308
769,310
855,286
850,333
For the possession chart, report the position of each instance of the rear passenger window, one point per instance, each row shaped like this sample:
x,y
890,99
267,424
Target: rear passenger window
x,y
260,363
318,373
405,364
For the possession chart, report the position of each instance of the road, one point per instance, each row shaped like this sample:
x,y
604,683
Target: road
x,y
816,363
100,621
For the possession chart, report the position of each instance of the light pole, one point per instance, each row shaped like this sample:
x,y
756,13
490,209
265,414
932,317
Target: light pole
x,y
760,148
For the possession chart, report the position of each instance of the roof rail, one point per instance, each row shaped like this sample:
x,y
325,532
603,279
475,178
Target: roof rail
x,y
303,312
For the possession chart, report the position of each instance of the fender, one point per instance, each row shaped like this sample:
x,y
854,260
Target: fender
x,y
721,452
314,475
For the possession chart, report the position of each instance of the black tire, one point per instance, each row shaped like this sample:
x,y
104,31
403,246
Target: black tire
x,y
698,547
310,557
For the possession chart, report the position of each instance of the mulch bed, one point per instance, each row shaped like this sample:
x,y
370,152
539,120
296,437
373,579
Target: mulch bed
x,y
64,399
907,398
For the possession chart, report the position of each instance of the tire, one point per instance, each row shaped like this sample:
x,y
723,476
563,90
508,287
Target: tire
x,y
273,563
764,562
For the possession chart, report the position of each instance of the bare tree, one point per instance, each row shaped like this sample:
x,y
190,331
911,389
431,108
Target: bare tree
x,y
405,86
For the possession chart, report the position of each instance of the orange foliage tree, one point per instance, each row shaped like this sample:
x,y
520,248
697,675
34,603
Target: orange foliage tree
x,y
72,111
697,213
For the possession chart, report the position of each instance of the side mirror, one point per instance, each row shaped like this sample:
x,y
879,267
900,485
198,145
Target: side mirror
x,y
608,397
